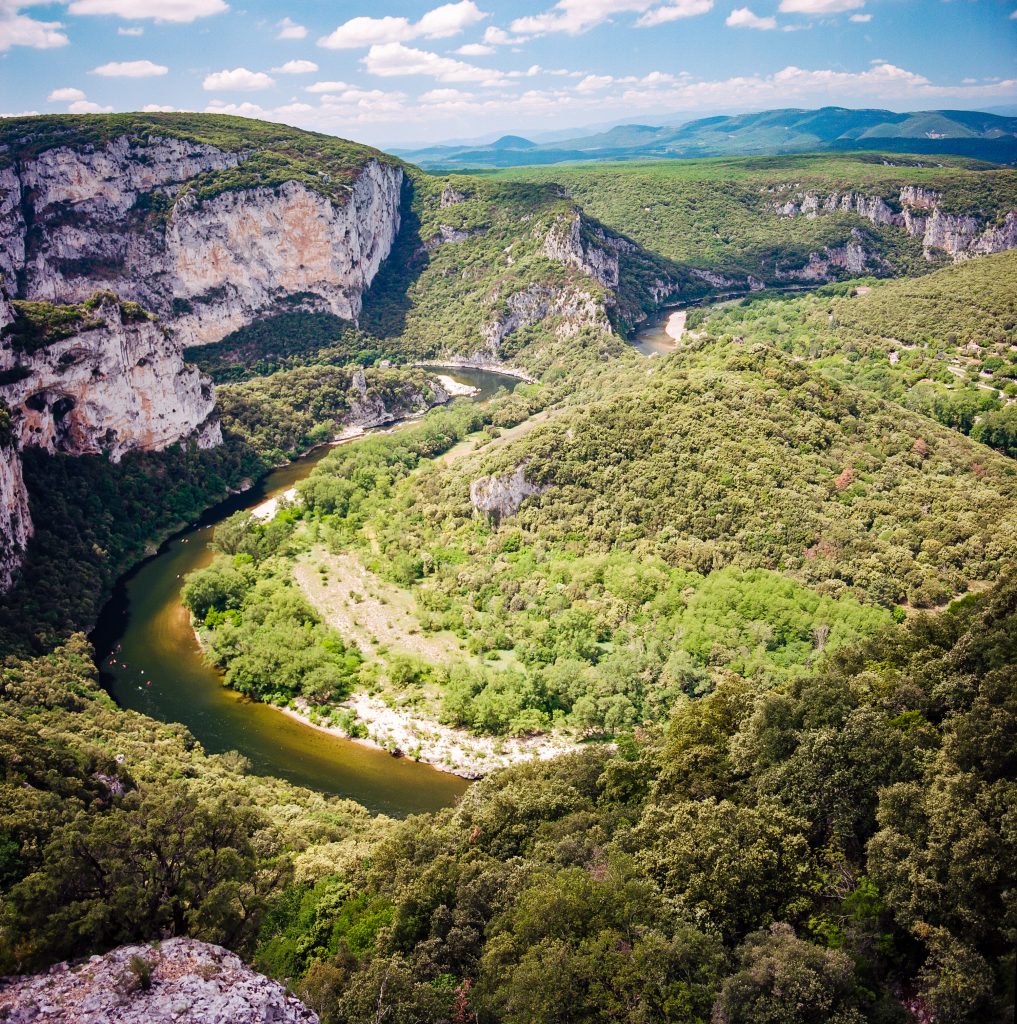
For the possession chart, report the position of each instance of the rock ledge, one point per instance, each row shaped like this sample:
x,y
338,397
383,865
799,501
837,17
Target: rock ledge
x,y
190,983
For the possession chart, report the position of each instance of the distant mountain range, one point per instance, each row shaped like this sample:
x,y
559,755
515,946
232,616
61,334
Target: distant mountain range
x,y
959,132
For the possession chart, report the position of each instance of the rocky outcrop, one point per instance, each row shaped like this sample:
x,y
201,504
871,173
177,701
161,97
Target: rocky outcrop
x,y
236,256
15,518
118,384
833,262
715,280
575,307
451,197
919,212
594,252
368,408
446,235
498,497
121,217
177,981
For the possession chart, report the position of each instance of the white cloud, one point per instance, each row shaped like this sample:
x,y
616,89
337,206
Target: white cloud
x,y
130,69
326,87
66,95
446,96
360,32
296,67
160,10
673,11
393,59
289,29
87,107
294,108
742,17
237,80
591,83
158,108
860,18
449,20
135,31
499,37
440,23
240,109
574,16
475,50
1013,16
819,6
17,29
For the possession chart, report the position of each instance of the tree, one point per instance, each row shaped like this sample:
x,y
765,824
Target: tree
x,y
784,980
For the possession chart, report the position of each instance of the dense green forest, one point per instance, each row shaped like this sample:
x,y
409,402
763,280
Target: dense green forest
x,y
806,838
719,215
763,586
941,345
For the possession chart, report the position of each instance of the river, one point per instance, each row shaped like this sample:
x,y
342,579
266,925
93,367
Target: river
x,y
158,668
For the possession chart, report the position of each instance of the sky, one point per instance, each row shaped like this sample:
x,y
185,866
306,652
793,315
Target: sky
x,y
411,73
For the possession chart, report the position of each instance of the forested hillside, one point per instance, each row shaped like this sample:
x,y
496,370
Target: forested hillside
x,y
739,617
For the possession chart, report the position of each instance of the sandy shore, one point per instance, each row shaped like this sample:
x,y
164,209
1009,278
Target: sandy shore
x,y
675,326
454,388
268,508
446,748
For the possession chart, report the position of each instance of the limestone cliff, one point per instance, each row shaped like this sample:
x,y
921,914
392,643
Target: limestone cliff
x,y
15,520
593,251
850,260
118,382
180,228
368,407
498,497
919,212
122,217
179,980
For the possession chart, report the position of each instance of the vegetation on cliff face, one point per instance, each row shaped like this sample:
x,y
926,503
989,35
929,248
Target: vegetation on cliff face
x,y
270,154
719,215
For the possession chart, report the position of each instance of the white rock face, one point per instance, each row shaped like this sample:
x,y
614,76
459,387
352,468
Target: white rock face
x,y
564,243
205,267
234,257
850,258
190,983
498,497
576,307
921,216
121,385
15,518
77,220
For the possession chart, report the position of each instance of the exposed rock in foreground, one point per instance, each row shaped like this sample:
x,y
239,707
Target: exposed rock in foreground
x,y
180,981
15,520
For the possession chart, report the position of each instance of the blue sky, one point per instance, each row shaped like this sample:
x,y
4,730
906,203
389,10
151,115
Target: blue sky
x,y
401,73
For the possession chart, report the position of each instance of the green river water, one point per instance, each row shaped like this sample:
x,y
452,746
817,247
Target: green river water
x,y
150,662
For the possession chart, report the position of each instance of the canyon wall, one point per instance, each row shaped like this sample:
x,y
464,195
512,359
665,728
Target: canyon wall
x,y
158,221
123,218
916,210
